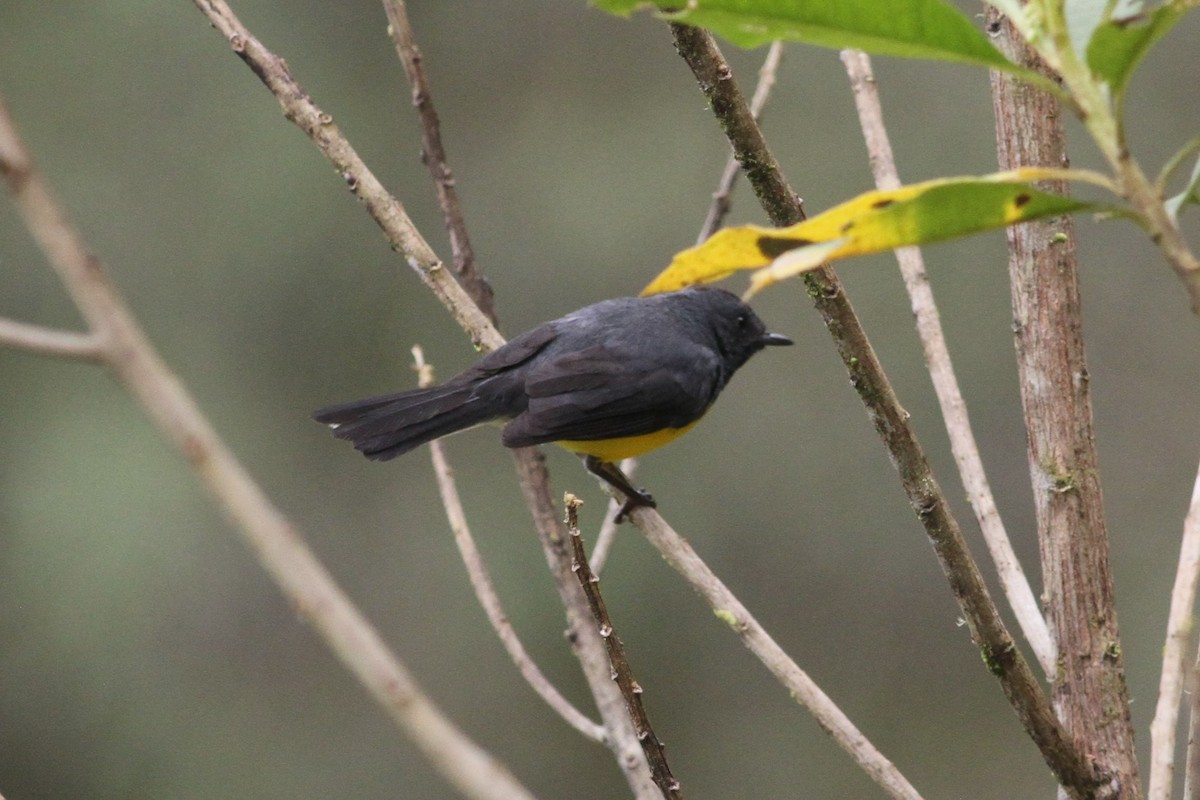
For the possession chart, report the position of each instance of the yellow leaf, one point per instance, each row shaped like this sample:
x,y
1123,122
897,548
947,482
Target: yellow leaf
x,y
793,263
881,220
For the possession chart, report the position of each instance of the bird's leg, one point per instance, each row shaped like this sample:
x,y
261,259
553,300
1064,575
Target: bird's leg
x,y
608,472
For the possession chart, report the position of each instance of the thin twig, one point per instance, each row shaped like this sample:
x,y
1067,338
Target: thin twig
x,y
608,531
49,341
587,644
697,48
1180,623
941,371
277,543
433,153
1191,776
622,673
485,590
404,237
1173,163
386,210
891,421
721,197
727,608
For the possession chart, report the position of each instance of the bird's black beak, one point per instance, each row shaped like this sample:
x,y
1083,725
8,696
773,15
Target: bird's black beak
x,y
775,339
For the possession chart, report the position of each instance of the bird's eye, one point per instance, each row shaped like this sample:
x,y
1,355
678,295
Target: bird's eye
x,y
742,319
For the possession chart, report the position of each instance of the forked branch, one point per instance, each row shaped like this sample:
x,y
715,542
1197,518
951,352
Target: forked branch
x,y
48,341
433,153
277,543
891,421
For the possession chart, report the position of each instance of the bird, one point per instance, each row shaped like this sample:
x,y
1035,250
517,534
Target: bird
x,y
609,381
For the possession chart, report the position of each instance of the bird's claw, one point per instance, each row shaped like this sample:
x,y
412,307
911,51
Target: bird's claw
x,y
638,498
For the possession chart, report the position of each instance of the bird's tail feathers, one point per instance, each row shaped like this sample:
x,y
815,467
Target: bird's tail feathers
x,y
384,427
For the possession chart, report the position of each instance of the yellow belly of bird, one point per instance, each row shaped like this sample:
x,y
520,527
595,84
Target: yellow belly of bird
x,y
626,446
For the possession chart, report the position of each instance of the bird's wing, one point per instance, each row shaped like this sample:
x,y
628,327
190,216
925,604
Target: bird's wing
x,y
606,392
515,352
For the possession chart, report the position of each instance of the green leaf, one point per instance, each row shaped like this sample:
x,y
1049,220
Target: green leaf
x,y
1083,17
931,29
1120,43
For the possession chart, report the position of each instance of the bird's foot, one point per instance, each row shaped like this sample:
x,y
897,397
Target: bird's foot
x,y
607,472
639,498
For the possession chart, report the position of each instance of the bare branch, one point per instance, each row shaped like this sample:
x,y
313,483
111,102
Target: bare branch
x,y
433,153
385,209
1173,163
48,341
727,608
1056,400
276,542
585,640
1180,623
941,371
721,198
1191,778
485,590
891,421
697,48
622,673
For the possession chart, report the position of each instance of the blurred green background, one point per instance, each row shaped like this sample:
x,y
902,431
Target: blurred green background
x,y
143,652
